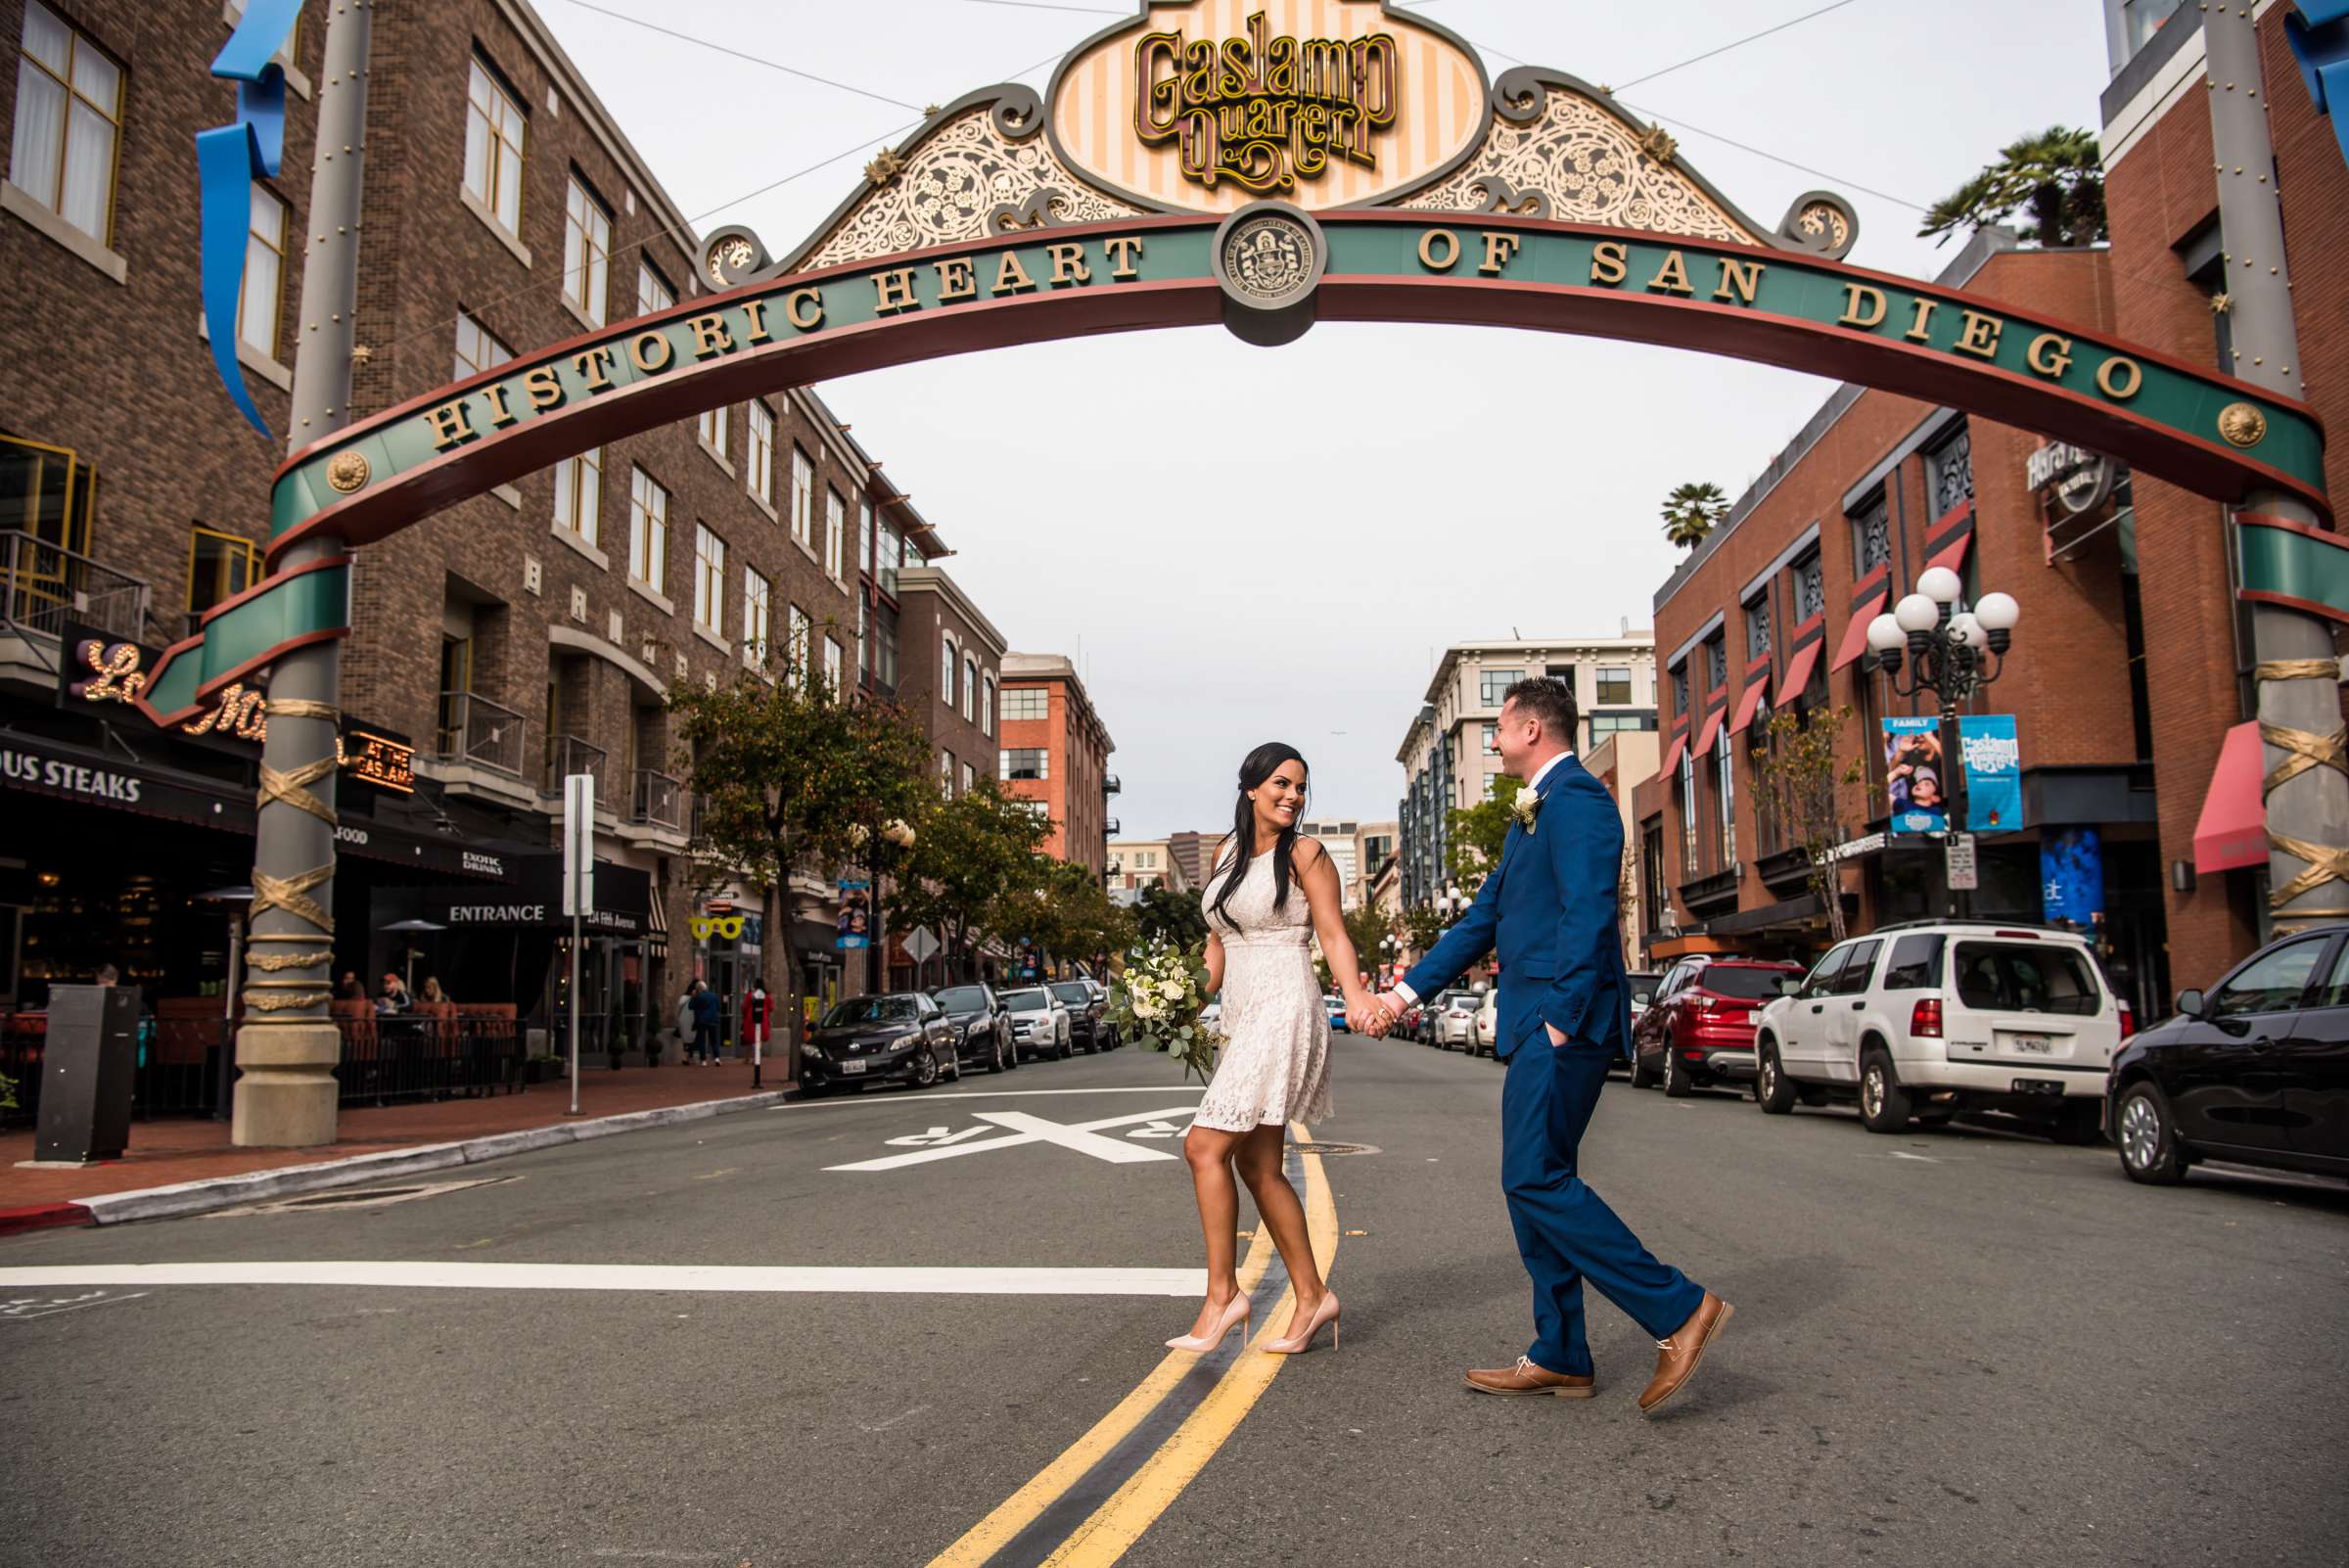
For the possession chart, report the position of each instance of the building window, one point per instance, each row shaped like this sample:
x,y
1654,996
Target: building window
x,y
832,666
1757,629
970,682
987,705
709,579
220,566
1717,664
264,273
1724,795
864,535
1688,792
69,124
1026,702
865,641
1872,536
945,772
803,497
2140,19
759,457
477,350
892,549
495,134
802,631
51,494
1949,470
1617,723
1492,685
580,495
945,673
648,531
653,291
970,778
713,427
885,646
1614,685
1680,691
756,598
836,530
1028,762
586,250
1492,736
1810,589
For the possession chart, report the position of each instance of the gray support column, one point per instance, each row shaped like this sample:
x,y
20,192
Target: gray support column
x,y
287,1051
2299,697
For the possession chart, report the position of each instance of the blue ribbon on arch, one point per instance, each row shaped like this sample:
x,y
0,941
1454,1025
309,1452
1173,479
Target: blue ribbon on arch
x,y
228,160
2318,33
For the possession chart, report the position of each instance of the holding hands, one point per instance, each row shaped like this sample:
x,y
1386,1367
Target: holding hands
x,y
1368,1017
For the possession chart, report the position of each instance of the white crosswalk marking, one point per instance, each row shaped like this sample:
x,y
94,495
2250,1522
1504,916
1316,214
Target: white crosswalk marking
x,y
1024,1128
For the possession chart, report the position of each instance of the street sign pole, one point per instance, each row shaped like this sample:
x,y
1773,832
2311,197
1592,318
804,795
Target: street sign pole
x,y
579,892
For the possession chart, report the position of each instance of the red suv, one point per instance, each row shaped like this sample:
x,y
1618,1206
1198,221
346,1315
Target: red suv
x,y
1700,1028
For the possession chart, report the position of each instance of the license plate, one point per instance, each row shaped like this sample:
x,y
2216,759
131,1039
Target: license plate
x,y
2031,1044
1753,1018
850,1068
2038,1085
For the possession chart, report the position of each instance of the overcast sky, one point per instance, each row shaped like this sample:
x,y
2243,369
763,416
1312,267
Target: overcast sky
x,y
1451,483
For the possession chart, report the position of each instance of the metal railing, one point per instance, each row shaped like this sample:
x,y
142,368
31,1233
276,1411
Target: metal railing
x,y
571,754
473,729
43,586
657,800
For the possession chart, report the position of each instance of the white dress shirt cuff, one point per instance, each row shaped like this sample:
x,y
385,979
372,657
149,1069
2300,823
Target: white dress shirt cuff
x,y
1409,996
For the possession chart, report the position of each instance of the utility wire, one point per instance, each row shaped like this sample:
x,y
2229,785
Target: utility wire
x,y
1041,5
1820,173
723,49
1736,43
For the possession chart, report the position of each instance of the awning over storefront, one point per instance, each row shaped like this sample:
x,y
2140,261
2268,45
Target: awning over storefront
x,y
1854,631
1798,670
1671,755
534,901
1952,554
2233,830
655,934
1711,730
1755,690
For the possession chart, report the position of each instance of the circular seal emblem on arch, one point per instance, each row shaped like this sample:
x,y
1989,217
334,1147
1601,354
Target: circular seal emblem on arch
x,y
1269,259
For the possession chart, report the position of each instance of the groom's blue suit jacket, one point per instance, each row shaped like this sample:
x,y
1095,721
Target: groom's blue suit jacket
x,y
1548,913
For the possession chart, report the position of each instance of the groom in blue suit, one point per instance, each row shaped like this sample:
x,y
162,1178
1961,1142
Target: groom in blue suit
x,y
1549,912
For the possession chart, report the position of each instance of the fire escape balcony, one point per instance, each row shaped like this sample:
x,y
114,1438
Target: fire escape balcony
x,y
42,586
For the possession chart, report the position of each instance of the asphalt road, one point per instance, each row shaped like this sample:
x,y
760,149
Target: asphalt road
x,y
1951,1347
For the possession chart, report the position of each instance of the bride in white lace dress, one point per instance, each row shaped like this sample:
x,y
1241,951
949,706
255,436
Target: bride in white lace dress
x,y
1270,893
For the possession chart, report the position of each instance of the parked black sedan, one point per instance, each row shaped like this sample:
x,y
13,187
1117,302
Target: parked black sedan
x,y
899,1036
1089,1007
982,1026
2255,1071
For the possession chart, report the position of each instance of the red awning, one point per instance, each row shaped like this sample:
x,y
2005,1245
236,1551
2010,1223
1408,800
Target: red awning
x,y
1754,693
1672,755
1709,729
1953,555
1855,632
1798,670
2233,830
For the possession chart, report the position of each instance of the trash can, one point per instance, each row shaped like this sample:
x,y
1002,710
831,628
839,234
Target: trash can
x,y
86,1072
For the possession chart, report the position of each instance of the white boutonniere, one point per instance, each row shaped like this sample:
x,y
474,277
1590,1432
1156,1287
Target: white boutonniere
x,y
1526,806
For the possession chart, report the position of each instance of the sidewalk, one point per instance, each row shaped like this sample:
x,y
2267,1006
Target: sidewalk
x,y
165,1152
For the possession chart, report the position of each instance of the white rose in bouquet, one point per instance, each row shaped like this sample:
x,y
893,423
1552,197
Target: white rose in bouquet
x,y
1172,990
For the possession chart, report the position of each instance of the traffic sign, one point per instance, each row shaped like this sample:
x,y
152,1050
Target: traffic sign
x,y
920,945
1966,873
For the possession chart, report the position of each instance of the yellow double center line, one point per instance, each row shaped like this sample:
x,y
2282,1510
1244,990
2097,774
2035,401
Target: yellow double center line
x,y
1090,1504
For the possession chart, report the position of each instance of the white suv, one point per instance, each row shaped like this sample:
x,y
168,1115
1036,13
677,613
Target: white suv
x,y
1930,1018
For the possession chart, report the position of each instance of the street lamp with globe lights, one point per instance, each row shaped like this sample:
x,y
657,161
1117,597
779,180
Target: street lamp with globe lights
x,y
1950,653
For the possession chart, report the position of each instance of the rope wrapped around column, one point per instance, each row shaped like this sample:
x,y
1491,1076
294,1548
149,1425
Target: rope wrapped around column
x,y
2305,749
291,895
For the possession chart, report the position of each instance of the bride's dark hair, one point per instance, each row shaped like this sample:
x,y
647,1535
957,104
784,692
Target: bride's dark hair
x,y
1255,769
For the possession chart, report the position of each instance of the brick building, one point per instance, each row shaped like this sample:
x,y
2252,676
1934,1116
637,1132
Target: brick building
x,y
513,639
1055,751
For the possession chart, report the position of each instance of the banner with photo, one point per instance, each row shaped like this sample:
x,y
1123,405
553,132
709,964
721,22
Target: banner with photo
x,y
1912,775
855,923
2071,876
1993,772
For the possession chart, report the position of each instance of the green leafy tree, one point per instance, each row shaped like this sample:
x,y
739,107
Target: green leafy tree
x,y
1475,833
1422,926
791,776
2055,179
1690,511
1799,774
1064,909
967,852
1369,926
1174,918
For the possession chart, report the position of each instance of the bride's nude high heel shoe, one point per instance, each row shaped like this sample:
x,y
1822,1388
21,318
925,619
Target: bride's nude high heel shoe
x,y
1298,1344
1235,1315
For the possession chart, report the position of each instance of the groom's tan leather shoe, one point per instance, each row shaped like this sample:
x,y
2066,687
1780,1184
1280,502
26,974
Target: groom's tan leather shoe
x,y
1677,1357
1526,1378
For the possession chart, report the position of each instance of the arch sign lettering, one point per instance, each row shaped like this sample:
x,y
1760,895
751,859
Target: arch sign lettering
x,y
1263,164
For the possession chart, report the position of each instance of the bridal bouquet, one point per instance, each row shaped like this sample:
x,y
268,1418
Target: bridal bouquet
x,y
1156,1003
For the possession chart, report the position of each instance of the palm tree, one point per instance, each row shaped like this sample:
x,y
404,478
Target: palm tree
x,y
1690,511
2056,177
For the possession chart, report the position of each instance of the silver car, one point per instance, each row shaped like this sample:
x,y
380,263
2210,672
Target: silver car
x,y
1039,1024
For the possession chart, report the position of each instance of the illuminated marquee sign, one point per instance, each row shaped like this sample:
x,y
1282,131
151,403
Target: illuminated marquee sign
x,y
1264,112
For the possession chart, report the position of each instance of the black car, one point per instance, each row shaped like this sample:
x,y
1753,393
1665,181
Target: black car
x,y
1088,1005
982,1026
900,1037
2256,1071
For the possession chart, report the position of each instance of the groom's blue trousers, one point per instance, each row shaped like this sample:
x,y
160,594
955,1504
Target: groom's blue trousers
x,y
1565,1233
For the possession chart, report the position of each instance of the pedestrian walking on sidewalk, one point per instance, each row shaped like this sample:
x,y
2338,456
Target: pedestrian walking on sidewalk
x,y
705,1023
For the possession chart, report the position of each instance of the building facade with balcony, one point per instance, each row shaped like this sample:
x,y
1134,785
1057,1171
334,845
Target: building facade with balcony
x,y
1055,752
517,637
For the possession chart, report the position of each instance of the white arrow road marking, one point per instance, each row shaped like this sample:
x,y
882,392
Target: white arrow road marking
x,y
1921,1159
936,1135
1158,1130
29,1306
1026,1128
708,1277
